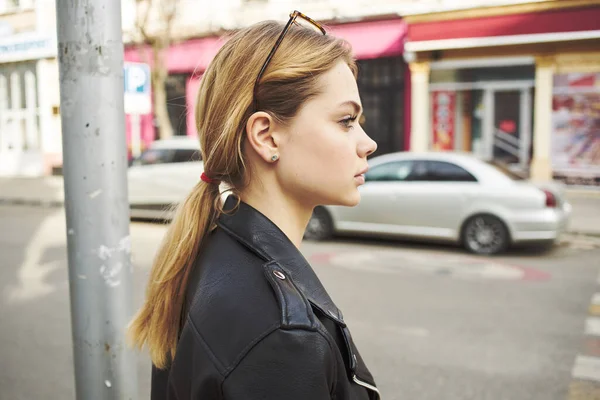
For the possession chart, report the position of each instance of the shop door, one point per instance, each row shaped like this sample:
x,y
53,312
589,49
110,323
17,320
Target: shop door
x,y
507,127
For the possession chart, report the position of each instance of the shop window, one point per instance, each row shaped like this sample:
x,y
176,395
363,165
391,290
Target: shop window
x,y
575,131
381,86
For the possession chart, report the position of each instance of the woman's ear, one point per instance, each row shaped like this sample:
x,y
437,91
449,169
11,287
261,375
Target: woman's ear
x,y
260,132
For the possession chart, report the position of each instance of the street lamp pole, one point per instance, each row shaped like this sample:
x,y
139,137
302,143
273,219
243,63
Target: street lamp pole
x,y
90,54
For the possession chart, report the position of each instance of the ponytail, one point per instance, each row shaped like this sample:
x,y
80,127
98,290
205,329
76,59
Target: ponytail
x,y
158,322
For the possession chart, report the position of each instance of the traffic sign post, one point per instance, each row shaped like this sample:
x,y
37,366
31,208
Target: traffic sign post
x,y
137,100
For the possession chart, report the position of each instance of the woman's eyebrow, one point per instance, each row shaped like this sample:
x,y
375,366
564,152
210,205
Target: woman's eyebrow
x,y
357,107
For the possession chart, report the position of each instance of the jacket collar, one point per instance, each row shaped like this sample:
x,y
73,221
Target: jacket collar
x,y
261,236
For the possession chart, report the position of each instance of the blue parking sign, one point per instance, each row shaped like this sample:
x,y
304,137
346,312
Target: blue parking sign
x,y
136,80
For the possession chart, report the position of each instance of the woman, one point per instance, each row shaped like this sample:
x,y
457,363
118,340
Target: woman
x,y
233,310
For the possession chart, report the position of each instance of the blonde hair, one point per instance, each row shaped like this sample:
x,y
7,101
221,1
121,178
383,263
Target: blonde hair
x,y
225,103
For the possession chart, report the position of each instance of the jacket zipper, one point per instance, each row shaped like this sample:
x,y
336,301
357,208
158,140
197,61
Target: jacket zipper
x,y
366,385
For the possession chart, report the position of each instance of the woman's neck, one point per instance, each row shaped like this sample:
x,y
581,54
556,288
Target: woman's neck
x,y
290,216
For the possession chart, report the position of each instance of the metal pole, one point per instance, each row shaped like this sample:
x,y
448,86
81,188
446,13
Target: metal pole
x,y
90,53
136,135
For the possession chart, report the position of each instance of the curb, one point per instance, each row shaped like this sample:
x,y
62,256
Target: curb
x,y
32,202
585,234
593,193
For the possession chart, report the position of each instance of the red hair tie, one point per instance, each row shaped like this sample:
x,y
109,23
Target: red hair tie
x,y
209,180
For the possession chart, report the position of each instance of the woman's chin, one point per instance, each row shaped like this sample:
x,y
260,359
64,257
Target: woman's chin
x,y
351,200
348,198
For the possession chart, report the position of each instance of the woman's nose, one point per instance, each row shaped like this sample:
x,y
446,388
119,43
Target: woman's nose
x,y
366,145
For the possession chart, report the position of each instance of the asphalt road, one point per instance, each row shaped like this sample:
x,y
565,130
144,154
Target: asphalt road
x,y
432,322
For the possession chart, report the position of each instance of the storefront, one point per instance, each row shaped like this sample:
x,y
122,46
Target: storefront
x,y
510,84
377,44
484,110
30,141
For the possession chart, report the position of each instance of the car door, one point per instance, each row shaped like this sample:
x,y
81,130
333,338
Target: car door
x,y
439,197
382,205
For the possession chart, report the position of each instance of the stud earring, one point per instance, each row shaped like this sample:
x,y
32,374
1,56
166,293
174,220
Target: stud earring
x,y
275,157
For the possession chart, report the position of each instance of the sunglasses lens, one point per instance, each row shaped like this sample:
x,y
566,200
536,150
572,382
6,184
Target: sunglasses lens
x,y
307,25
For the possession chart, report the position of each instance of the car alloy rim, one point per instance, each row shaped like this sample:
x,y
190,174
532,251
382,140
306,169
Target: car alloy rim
x,y
484,235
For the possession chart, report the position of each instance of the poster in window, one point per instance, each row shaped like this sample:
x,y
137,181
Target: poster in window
x,y
444,103
576,128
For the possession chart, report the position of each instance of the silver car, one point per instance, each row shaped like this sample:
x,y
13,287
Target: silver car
x,y
163,175
451,197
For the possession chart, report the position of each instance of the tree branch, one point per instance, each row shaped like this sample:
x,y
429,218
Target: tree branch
x,y
169,18
141,23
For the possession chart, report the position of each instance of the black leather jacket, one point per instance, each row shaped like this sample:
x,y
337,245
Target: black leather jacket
x,y
260,324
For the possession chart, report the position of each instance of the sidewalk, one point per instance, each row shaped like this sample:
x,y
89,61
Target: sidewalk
x,y
48,192
45,191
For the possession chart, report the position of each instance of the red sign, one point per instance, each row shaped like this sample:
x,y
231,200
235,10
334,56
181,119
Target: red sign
x,y
444,104
508,126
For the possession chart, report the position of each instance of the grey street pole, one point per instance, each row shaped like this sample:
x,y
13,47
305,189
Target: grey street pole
x,y
90,53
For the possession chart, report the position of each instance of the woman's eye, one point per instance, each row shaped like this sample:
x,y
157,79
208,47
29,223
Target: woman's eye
x,y
347,122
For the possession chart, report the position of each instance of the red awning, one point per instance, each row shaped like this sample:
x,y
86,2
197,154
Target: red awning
x,y
373,39
569,20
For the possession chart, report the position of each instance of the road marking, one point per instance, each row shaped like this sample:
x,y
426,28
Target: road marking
x,y
591,346
592,326
587,368
455,266
32,276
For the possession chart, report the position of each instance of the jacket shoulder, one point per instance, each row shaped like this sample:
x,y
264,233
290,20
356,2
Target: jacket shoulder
x,y
295,309
236,299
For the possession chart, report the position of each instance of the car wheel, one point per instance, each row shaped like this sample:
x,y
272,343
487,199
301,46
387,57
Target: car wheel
x,y
320,225
485,234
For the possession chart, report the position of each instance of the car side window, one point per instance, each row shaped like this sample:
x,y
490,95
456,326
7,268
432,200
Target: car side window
x,y
186,155
155,156
441,171
390,172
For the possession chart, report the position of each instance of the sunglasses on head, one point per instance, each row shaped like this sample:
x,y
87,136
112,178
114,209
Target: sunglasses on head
x,y
296,18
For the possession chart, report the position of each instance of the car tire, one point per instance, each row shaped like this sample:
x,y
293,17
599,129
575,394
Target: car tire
x,y
485,234
320,225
